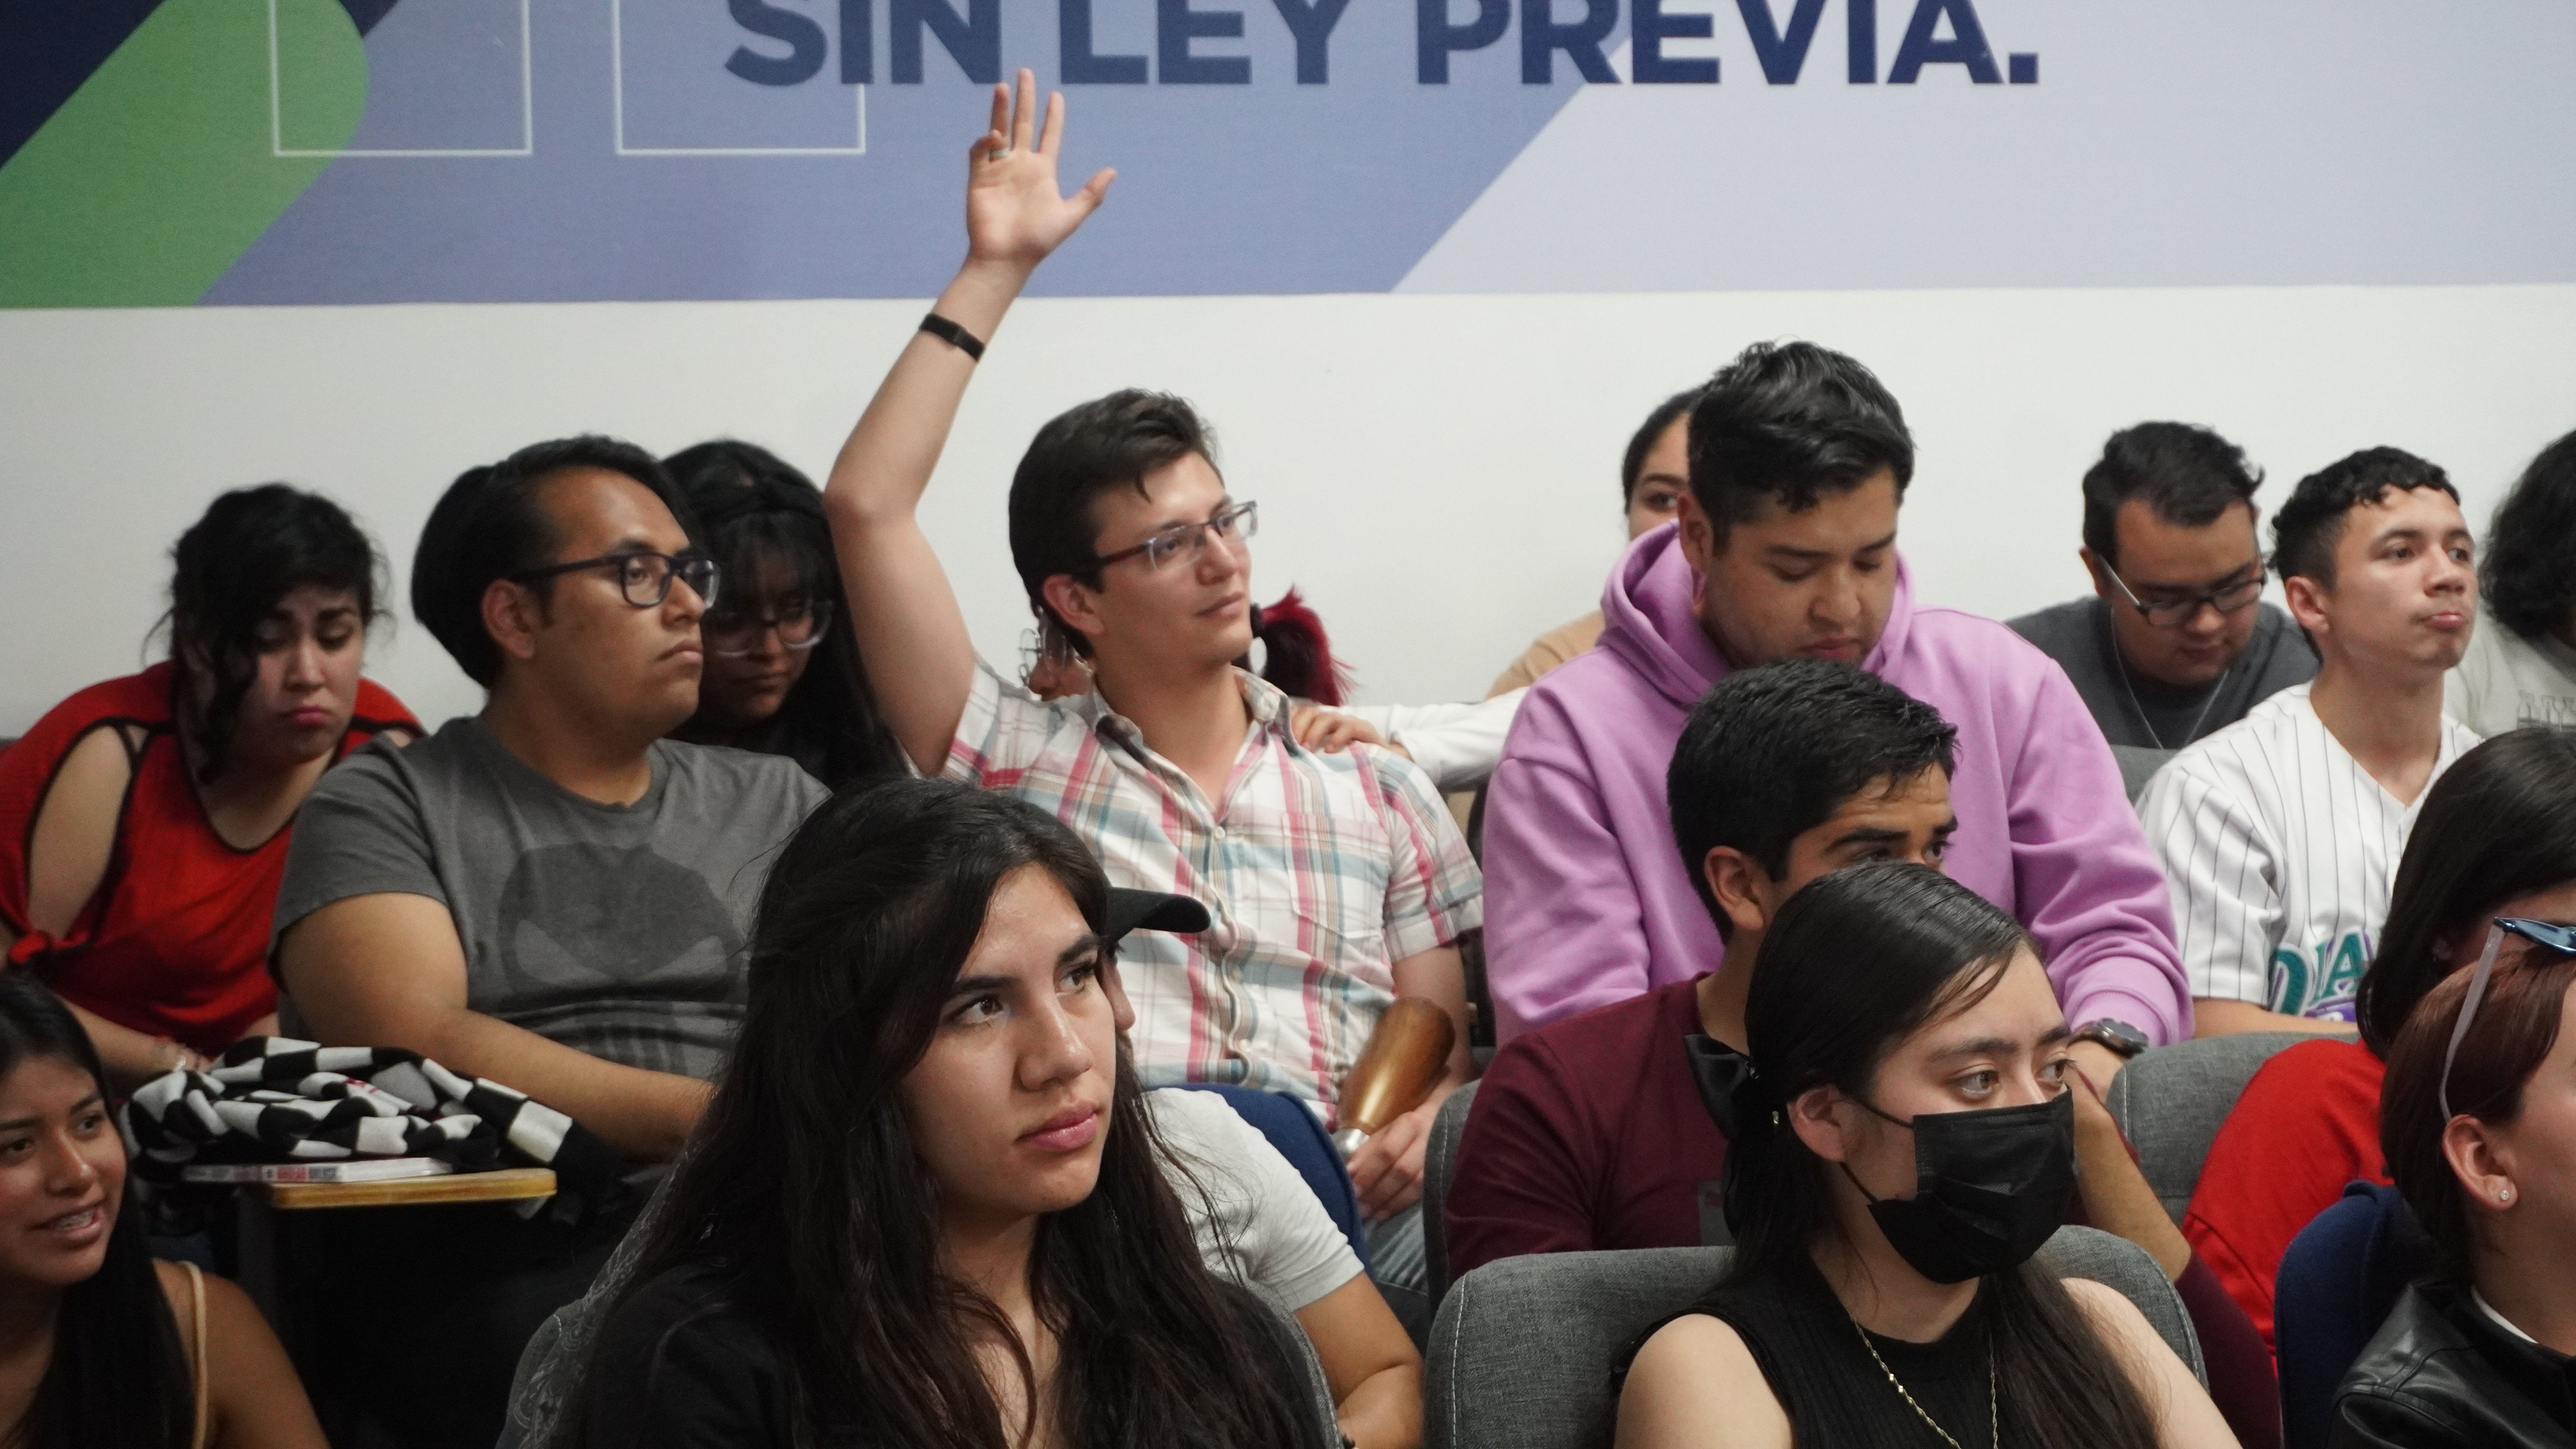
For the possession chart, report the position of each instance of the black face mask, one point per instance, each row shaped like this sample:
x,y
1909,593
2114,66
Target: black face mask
x,y
1990,1187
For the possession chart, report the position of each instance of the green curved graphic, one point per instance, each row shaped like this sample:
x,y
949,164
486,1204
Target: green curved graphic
x,y
160,170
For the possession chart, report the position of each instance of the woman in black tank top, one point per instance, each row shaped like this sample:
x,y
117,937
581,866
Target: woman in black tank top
x,y
1902,1143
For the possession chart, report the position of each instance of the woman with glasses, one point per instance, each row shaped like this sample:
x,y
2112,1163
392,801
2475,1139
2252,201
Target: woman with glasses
x,y
2479,1125
780,677
2496,837
1892,1167
144,821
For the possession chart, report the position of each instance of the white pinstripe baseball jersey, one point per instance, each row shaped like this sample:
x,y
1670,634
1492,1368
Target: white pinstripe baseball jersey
x,y
2280,849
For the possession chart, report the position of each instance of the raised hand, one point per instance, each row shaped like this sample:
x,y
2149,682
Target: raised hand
x,y
1014,212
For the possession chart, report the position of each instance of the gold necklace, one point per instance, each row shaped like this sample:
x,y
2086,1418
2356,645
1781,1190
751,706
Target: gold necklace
x,y
1994,1410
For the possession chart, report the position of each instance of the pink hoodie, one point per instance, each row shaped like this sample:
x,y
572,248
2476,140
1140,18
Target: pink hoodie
x,y
1586,900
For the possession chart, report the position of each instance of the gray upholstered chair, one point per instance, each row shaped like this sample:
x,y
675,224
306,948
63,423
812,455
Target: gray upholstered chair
x,y
1522,1352
1439,1166
2170,1102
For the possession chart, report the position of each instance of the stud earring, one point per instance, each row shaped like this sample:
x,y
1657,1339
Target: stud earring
x,y
2504,1195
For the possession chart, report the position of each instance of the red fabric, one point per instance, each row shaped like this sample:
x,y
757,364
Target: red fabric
x,y
2241,1381
2307,1124
1588,1133
175,942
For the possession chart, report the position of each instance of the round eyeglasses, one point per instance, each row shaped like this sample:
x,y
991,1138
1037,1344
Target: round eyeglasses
x,y
643,576
799,626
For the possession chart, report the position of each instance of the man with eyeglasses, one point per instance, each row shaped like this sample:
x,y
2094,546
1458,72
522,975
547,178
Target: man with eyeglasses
x,y
2280,835
2175,643
548,894
1338,882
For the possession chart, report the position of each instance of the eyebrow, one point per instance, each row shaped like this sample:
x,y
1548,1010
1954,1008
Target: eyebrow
x,y
1995,1046
1084,948
1223,502
1783,550
2252,565
15,1124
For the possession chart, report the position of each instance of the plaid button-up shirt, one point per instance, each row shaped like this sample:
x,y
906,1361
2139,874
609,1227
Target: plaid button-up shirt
x,y
1320,872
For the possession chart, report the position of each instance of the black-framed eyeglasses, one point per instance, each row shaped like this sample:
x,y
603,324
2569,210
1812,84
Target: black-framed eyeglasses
x,y
644,576
2226,598
1184,542
2541,933
800,626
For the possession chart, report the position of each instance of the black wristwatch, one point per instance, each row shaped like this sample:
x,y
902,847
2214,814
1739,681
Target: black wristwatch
x,y
2124,1040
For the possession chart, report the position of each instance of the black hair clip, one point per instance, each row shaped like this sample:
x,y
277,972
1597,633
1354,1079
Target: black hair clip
x,y
1738,1097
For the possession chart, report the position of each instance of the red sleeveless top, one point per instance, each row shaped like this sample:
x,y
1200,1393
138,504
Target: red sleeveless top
x,y
175,941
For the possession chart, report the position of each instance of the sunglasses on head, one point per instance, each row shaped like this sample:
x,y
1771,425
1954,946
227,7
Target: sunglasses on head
x,y
2540,933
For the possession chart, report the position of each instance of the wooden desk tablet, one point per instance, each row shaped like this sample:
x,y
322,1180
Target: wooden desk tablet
x,y
508,1184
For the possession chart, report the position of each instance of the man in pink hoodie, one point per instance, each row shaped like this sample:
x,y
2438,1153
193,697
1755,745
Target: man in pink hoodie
x,y
1786,546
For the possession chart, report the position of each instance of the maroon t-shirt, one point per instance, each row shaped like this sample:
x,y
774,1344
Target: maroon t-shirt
x,y
1589,1133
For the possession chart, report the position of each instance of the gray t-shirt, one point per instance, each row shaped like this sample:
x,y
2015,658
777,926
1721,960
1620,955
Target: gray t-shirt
x,y
2145,714
617,930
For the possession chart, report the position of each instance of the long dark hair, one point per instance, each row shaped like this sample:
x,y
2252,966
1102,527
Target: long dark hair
x,y
1855,963
119,1378
2500,823
802,1181
250,549
2512,1034
754,512
2523,571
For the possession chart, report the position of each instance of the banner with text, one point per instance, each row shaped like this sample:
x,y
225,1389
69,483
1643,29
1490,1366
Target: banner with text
x,y
164,152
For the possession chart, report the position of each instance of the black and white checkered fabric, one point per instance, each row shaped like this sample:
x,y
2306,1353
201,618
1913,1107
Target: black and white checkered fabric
x,y
274,1099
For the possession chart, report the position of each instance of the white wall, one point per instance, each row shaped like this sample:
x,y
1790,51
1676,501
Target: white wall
x,y
1439,473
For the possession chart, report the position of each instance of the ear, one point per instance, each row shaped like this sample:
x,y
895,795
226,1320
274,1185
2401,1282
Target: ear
x,y
1739,885
512,615
1817,1117
1076,605
1121,1010
1700,543
2093,566
2308,601
2483,1164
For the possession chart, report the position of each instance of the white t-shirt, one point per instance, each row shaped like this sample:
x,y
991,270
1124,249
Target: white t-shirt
x,y
1457,745
1257,1223
2506,681
2279,849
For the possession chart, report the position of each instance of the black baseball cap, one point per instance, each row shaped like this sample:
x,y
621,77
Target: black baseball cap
x,y
1152,911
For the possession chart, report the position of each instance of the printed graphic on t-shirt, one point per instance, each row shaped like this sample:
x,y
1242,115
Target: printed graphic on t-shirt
x,y
622,953
2545,709
2321,982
